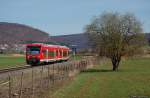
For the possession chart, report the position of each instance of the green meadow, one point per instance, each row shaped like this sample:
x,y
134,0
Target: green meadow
x,y
8,61
131,80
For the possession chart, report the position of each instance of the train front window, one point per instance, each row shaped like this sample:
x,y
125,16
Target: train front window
x,y
33,50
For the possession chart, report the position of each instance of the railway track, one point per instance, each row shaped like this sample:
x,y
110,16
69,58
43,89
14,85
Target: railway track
x,y
13,69
21,68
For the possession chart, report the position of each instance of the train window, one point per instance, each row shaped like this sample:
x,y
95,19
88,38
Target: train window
x,y
64,53
51,53
33,50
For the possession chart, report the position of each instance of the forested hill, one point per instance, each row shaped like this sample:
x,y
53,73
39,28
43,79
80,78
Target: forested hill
x,y
147,36
14,33
80,41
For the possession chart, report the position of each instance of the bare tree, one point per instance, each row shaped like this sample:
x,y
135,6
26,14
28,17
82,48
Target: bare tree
x,y
114,35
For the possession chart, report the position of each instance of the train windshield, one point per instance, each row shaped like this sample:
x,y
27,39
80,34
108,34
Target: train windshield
x,y
33,50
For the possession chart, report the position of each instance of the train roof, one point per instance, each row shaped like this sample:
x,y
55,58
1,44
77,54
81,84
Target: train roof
x,y
49,45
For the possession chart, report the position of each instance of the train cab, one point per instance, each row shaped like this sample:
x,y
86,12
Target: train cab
x,y
44,53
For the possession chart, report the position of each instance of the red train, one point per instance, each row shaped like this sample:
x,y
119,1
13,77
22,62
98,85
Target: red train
x,y
43,53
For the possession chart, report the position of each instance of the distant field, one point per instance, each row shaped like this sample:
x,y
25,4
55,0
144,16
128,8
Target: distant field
x,y
7,61
132,79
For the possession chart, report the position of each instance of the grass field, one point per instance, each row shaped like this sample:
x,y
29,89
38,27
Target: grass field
x,y
7,61
132,79
76,57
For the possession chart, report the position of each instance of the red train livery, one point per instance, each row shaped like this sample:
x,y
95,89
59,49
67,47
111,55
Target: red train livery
x,y
43,53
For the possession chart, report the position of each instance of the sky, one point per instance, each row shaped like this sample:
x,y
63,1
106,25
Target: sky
x,y
63,17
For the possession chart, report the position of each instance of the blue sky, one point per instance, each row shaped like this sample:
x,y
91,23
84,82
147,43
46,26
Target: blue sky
x,y
59,17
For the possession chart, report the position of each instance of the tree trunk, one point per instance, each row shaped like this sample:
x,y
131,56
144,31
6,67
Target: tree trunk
x,y
115,62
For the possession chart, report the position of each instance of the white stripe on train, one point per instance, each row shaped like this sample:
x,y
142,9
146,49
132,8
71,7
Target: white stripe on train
x,y
51,60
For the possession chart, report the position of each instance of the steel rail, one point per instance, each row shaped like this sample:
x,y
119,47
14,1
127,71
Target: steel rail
x,y
13,69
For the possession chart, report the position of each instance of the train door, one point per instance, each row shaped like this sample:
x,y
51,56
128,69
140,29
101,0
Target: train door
x,y
57,54
60,52
46,55
52,54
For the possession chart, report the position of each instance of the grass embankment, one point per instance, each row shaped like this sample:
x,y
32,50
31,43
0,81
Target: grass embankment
x,y
76,57
8,61
132,79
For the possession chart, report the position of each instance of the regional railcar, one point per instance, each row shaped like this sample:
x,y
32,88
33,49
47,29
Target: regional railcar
x,y
43,53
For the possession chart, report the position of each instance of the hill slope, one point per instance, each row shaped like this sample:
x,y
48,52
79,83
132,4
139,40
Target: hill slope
x,y
14,33
79,40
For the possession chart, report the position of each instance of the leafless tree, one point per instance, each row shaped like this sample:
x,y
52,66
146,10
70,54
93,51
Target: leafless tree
x,y
114,35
